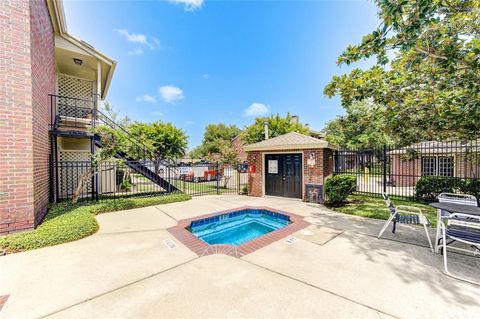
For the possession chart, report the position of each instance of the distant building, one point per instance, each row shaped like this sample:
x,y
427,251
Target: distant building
x,y
434,158
238,144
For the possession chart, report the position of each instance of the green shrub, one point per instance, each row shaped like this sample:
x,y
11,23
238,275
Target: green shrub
x,y
67,222
472,187
338,187
245,189
429,187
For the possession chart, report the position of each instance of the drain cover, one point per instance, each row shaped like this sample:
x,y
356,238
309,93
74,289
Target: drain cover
x,y
290,240
307,232
170,243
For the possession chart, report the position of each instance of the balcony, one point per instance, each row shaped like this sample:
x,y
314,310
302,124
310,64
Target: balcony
x,y
71,114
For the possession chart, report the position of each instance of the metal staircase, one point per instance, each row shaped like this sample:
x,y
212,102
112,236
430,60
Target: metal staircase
x,y
143,155
75,117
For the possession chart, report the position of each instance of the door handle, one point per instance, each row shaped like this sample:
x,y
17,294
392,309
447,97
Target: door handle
x,y
283,177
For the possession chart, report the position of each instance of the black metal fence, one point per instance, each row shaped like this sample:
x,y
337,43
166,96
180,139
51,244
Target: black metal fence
x,y
115,179
397,171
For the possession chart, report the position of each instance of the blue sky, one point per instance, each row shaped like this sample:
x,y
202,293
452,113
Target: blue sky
x,y
194,62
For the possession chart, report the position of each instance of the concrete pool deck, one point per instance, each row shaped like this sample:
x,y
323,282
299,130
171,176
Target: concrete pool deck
x,y
338,269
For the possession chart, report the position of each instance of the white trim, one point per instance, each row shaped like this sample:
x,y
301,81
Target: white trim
x,y
264,171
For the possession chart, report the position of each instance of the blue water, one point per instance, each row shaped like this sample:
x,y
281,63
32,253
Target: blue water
x,y
238,227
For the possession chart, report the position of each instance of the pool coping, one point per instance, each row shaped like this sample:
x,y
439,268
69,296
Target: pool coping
x,y
201,248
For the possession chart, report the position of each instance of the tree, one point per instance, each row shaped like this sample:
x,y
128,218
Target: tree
x,y
113,114
362,127
432,84
110,146
164,139
277,125
217,144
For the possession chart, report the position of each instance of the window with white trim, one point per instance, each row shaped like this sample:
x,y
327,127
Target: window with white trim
x,y
429,166
445,166
437,166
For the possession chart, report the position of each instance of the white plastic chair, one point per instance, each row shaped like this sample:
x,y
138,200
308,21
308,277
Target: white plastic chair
x,y
404,215
463,228
463,199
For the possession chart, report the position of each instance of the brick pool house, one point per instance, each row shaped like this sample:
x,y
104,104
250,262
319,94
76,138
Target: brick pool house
x,y
290,165
40,61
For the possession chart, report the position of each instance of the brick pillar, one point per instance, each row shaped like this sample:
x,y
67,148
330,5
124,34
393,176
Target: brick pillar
x,y
255,180
26,34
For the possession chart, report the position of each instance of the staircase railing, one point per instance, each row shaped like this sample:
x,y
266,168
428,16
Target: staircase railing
x,y
82,113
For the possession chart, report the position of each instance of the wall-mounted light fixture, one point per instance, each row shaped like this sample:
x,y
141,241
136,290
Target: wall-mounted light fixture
x,y
77,61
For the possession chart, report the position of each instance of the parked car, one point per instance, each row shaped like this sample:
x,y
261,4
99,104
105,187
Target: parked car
x,y
198,174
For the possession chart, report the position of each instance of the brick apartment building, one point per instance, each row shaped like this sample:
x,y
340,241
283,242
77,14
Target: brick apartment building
x,y
38,58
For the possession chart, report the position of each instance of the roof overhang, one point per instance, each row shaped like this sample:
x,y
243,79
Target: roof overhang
x,y
66,46
289,147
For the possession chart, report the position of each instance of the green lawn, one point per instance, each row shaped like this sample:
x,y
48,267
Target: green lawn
x,y
67,222
374,207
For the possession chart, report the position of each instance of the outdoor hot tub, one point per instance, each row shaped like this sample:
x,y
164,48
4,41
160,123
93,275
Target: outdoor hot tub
x,y
236,228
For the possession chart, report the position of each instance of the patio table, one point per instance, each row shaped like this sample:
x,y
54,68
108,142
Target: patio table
x,y
452,208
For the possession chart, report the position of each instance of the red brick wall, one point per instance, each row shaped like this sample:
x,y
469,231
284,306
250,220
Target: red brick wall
x,y
21,140
316,174
237,145
43,83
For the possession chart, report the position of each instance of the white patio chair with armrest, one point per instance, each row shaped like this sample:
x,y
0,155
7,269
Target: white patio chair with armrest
x,y
463,228
464,199
404,215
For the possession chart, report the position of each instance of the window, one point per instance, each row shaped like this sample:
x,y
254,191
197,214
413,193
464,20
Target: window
x,y
429,167
445,166
437,166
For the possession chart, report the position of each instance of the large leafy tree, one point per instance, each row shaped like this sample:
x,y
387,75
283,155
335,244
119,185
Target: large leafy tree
x,y
362,127
277,125
217,143
165,140
431,86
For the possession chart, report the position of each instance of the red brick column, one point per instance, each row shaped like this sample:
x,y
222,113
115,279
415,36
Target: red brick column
x,y
26,77
43,83
255,180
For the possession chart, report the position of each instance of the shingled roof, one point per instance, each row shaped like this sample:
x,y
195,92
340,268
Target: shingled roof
x,y
289,141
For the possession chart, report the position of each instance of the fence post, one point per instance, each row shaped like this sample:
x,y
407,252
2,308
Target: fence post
x,y
384,168
217,178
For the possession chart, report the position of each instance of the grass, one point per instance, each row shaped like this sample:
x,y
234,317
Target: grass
x,y
374,207
67,222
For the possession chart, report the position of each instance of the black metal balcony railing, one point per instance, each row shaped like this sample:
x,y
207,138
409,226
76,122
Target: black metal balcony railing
x,y
71,112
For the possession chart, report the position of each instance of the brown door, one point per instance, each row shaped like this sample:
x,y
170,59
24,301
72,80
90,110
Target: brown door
x,y
283,175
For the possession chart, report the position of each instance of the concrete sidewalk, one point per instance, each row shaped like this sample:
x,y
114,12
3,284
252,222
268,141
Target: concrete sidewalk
x,y
338,270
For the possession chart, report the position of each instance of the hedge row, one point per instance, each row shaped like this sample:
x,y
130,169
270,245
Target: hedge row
x,y
429,187
67,222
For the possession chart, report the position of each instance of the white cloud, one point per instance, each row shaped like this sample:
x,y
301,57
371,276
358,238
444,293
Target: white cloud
x,y
146,98
133,37
170,93
206,76
256,109
189,5
141,40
